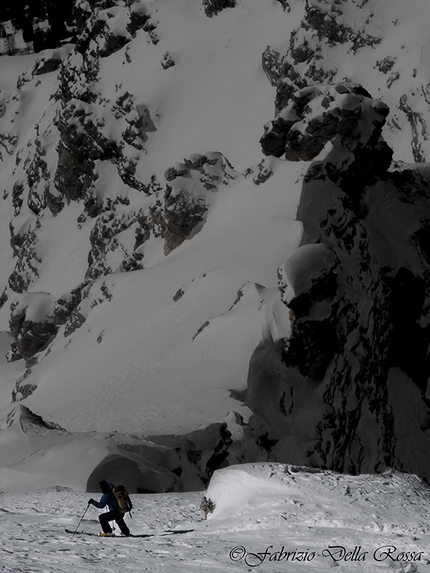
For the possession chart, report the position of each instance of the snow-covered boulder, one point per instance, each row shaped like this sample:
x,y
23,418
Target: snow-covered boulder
x,y
306,266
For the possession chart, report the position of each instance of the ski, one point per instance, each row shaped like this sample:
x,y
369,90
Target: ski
x,y
80,532
164,533
98,534
175,531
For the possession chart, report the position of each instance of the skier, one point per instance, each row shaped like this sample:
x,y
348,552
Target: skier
x,y
114,513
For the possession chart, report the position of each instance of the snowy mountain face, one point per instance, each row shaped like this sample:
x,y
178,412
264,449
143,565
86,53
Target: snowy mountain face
x,y
214,242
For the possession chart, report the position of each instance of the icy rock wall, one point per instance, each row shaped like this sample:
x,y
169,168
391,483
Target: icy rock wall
x,y
354,372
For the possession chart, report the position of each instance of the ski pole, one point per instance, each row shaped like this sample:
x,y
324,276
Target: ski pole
x,y
77,527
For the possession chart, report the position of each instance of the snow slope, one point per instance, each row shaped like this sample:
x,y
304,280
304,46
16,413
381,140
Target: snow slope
x,y
147,342
158,365
268,517
144,363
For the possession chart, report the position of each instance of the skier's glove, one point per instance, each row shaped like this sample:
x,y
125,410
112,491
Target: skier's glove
x,y
90,501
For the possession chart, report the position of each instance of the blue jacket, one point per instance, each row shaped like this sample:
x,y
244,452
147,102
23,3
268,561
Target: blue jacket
x,y
107,499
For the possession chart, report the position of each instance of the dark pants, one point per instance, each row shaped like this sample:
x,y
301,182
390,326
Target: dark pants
x,y
110,516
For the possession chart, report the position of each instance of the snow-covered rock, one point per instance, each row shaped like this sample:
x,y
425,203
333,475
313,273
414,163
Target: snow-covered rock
x,y
359,315
188,194
317,115
31,324
213,7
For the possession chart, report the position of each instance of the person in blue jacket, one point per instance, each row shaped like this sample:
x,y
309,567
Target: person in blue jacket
x,y
114,513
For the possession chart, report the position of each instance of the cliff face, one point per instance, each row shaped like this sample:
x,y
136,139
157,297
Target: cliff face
x,y
354,370
349,386
165,243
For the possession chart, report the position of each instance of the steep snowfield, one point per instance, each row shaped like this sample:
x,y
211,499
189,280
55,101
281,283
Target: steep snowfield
x,y
216,98
268,517
147,368
139,363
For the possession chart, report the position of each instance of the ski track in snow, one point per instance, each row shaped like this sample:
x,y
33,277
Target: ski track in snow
x,y
300,512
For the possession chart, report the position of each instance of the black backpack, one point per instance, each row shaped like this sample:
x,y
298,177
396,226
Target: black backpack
x,y
122,498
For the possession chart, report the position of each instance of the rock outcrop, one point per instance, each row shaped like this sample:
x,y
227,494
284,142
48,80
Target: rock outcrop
x,y
70,172
213,7
315,116
31,325
312,56
190,186
360,321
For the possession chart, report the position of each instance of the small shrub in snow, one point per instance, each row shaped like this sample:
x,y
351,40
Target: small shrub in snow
x,y
207,506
